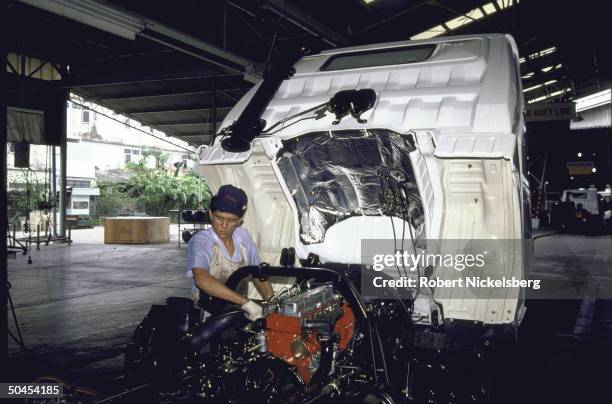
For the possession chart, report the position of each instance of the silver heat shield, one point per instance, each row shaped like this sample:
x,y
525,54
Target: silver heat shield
x,y
338,174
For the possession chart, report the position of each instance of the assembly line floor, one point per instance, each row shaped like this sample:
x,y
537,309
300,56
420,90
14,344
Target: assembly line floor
x,y
78,305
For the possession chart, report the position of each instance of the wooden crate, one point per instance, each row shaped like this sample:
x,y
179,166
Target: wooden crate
x,y
136,230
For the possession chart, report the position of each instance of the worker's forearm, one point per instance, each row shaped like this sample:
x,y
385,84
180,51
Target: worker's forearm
x,y
213,287
264,288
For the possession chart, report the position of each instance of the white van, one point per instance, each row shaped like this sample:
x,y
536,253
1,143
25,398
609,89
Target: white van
x,y
588,198
445,123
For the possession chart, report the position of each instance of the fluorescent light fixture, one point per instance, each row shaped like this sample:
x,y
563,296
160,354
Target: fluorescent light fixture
x,y
541,53
594,100
548,96
94,14
551,68
469,17
539,85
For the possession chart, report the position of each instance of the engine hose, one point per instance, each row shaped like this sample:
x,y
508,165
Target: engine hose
x,y
325,328
382,356
325,364
325,325
373,353
196,339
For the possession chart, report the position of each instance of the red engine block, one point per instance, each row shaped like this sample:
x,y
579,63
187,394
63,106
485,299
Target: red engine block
x,y
286,341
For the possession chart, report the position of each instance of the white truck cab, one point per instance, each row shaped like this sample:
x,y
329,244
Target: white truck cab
x,y
446,121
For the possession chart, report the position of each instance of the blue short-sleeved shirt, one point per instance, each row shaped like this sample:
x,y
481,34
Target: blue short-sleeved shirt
x,y
199,251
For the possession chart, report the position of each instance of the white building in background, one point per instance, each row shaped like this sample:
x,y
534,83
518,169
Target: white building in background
x,y
99,143
113,140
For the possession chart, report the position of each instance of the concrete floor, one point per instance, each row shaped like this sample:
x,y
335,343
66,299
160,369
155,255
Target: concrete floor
x,y
78,306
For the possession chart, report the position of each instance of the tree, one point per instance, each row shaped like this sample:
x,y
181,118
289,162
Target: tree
x,y
26,196
114,201
160,190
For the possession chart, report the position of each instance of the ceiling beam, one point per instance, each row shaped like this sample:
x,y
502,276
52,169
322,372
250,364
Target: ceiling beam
x,y
120,79
179,135
203,93
194,110
306,21
185,125
128,111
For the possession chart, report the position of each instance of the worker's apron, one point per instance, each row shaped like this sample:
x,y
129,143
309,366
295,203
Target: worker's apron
x,y
221,267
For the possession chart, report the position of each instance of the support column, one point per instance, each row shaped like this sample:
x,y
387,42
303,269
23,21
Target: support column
x,y
54,192
213,113
63,164
225,25
3,200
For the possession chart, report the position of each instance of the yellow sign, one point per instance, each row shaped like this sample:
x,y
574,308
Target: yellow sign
x,y
580,167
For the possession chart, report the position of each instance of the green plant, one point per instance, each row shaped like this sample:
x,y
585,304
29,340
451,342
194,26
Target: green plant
x,y
114,201
157,190
25,195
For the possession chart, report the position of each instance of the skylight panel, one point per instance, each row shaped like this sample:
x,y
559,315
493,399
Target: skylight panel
x,y
469,17
489,8
430,33
502,4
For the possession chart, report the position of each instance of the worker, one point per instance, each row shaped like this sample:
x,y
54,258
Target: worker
x,y
215,253
581,213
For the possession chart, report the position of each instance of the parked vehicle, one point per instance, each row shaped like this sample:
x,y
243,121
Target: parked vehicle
x,y
579,211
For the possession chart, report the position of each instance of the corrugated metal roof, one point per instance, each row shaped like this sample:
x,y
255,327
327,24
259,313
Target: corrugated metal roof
x,y
180,107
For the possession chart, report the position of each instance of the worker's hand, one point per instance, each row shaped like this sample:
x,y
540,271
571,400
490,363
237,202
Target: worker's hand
x,y
252,310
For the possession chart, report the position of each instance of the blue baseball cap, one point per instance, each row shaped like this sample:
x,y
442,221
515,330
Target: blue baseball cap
x,y
229,199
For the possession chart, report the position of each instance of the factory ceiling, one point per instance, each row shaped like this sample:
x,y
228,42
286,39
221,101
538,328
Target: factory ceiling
x,y
180,66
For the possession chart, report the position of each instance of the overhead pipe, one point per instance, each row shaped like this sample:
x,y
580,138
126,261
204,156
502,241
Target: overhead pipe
x,y
128,26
